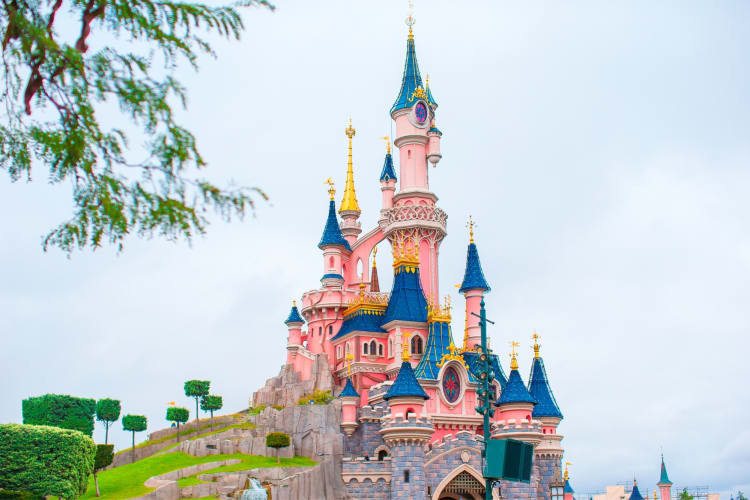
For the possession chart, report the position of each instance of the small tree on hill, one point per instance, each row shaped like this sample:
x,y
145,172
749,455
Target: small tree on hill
x,y
277,440
211,403
134,423
197,389
107,411
179,416
105,453
684,495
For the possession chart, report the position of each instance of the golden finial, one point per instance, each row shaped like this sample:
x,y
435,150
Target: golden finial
x,y
349,358
466,334
513,360
387,144
294,303
655,494
411,19
374,254
405,347
471,225
349,202
536,345
331,189
566,476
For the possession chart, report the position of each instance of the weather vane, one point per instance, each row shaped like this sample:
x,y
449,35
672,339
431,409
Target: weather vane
x,y
471,224
410,20
331,189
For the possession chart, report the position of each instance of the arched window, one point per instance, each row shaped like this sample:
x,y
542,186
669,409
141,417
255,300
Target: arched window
x,y
380,349
390,348
364,347
330,330
373,347
338,352
330,263
410,411
381,455
416,345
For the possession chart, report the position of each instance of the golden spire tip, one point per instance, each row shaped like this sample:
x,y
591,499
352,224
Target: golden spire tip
x,y
513,360
331,189
471,225
536,345
405,347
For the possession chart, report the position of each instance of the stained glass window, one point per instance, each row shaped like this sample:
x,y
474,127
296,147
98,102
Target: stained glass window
x,y
451,385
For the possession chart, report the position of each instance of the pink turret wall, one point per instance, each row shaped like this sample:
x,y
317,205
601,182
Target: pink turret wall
x,y
665,492
388,189
349,412
412,144
399,408
473,301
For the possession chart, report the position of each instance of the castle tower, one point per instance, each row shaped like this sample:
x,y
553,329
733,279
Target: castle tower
x,y
664,484
335,247
515,406
414,213
474,286
349,210
406,431
350,400
636,494
388,178
294,323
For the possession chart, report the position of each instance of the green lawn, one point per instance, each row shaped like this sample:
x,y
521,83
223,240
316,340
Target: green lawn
x,y
127,481
250,462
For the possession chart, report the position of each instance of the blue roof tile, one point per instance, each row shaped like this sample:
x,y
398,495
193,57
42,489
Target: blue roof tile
x,y
568,488
388,173
473,276
332,276
664,478
475,367
349,391
411,78
540,390
294,316
361,321
406,384
407,301
332,231
435,129
515,391
439,337
636,494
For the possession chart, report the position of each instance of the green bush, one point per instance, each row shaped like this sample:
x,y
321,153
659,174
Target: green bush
x,y
134,423
197,389
318,397
278,407
44,460
107,411
105,453
254,410
57,410
277,440
179,416
211,403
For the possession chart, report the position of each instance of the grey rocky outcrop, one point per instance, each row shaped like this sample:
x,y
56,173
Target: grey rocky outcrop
x,y
287,388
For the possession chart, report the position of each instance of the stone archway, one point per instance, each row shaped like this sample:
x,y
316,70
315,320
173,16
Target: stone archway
x,y
464,482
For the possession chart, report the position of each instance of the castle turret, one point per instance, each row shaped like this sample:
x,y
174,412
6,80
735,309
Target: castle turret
x,y
294,323
474,286
388,178
434,134
349,209
333,244
350,400
636,494
664,484
568,490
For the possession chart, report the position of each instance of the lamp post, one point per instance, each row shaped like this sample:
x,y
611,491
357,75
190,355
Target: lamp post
x,y
485,407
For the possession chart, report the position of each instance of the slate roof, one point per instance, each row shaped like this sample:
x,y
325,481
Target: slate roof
x,y
473,275
439,337
363,320
388,172
546,405
472,359
349,390
568,488
411,78
636,494
294,316
515,391
406,384
407,301
435,129
664,478
332,231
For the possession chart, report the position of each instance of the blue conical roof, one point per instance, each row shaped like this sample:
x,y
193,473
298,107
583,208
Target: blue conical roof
x,y
439,337
568,488
430,99
388,173
294,316
411,79
332,231
406,384
664,478
636,494
473,276
349,391
407,301
539,388
515,391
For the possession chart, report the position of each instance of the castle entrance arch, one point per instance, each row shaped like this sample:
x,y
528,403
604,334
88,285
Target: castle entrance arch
x,y
463,483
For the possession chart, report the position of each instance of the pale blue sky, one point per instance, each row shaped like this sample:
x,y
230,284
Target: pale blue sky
x,y
602,147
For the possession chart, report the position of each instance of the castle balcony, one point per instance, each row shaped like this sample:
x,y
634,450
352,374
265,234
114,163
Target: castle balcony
x,y
426,218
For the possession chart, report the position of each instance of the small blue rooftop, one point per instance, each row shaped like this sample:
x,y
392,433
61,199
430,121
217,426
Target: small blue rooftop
x,y
664,478
361,321
411,79
473,276
540,390
332,231
435,129
388,173
568,488
406,384
294,316
515,391
636,494
439,337
407,301
349,391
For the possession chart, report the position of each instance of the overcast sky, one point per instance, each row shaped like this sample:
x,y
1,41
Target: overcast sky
x,y
603,148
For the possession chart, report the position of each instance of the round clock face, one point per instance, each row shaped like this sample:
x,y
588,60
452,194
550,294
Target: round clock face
x,y
420,111
451,385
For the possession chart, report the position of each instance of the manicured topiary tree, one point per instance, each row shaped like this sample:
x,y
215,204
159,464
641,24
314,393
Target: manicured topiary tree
x,y
45,461
105,453
211,403
197,389
179,416
277,440
107,411
58,410
134,423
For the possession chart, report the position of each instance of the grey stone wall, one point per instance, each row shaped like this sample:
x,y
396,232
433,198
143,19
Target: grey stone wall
x,y
380,490
407,458
446,455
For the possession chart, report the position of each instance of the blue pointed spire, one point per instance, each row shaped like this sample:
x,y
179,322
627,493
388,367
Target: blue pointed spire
x,y
388,173
664,478
411,79
636,494
473,276
515,391
430,99
349,390
407,301
332,231
294,316
568,488
540,390
406,384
